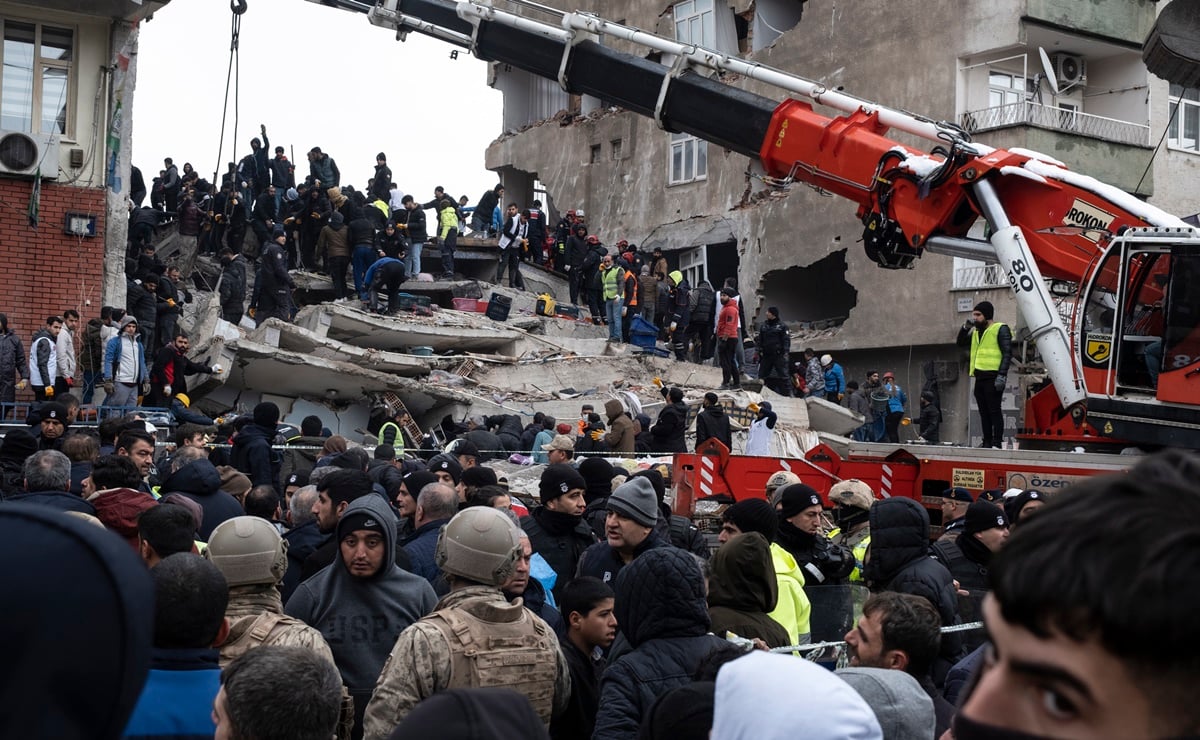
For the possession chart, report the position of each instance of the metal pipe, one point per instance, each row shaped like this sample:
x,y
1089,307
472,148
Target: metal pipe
x,y
953,246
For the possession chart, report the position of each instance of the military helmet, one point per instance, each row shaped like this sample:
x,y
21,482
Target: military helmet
x,y
779,480
852,492
248,549
480,544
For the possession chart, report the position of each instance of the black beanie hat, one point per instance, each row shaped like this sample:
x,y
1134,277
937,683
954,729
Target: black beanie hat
x,y
559,479
598,473
447,463
1013,509
982,516
266,414
18,444
56,412
985,308
479,476
656,480
796,498
753,515
359,519
416,480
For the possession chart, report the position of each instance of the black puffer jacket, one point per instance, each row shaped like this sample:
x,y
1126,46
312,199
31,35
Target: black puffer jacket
x,y
603,562
661,609
252,455
900,562
200,481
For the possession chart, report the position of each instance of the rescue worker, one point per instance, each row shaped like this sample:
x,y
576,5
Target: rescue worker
x,y
612,282
985,530
774,344
621,436
954,511
762,429
852,500
478,552
779,480
679,313
823,563
43,359
991,355
835,379
253,558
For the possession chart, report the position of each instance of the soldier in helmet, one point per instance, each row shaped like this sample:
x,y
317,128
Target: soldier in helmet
x,y
253,558
474,638
852,501
781,479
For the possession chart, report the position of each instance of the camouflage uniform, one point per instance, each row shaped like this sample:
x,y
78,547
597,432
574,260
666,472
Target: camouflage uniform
x,y
256,617
423,661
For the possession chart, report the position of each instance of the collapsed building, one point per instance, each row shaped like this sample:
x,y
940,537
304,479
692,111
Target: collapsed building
x,y
351,367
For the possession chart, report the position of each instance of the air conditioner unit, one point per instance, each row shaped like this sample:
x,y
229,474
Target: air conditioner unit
x,y
23,154
1070,69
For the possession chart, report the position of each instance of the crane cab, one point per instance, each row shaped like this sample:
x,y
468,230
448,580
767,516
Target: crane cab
x,y
1137,328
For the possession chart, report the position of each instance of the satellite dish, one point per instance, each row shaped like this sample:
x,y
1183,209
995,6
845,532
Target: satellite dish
x,y
1048,70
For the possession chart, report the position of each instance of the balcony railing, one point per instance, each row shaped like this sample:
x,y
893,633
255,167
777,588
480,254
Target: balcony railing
x,y
1029,113
977,277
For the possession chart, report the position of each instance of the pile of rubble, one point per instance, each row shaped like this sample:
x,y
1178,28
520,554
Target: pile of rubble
x,y
338,361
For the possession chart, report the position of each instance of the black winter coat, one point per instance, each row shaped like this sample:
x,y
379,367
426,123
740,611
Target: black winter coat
x,y
667,433
712,422
233,283
900,562
603,562
661,609
560,539
141,305
200,481
252,455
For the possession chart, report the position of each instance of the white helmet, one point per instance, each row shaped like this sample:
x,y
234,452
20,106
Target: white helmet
x,y
826,360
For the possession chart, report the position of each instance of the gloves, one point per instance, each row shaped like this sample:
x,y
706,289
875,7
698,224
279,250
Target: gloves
x,y
968,325
49,391
166,390
658,383
672,329
145,388
107,386
596,435
171,302
1001,381
624,311
22,384
566,268
214,370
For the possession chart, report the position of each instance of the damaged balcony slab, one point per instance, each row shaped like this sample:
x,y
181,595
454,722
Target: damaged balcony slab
x,y
294,338
829,417
443,331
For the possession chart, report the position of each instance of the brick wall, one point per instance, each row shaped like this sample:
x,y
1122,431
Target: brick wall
x,y
45,271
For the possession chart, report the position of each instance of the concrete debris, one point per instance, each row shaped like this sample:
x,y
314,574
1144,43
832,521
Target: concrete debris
x,y
344,362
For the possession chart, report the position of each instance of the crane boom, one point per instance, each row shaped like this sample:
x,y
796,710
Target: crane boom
x,y
1044,220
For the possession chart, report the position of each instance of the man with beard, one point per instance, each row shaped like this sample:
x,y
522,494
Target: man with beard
x,y
171,365
628,529
774,344
990,343
823,563
556,529
363,601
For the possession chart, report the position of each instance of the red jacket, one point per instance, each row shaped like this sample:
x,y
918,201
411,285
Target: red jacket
x,y
727,321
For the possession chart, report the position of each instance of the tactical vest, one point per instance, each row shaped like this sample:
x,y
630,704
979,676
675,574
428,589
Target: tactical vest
x,y
985,349
859,543
500,645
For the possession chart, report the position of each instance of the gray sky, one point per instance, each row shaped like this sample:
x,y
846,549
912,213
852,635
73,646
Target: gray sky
x,y
315,76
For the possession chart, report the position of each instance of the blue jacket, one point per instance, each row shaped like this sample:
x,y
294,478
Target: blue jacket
x,y
898,399
112,358
835,379
177,699
376,265
420,546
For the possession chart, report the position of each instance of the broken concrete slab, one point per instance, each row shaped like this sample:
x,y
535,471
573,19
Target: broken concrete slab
x,y
444,331
832,418
283,335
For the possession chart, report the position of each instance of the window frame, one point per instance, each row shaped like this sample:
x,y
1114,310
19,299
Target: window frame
x,y
691,14
41,64
693,152
1187,100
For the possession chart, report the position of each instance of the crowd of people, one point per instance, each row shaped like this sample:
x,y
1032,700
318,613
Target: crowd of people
x,y
304,587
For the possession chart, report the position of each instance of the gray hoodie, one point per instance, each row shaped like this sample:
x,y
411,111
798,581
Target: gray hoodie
x,y
361,618
902,707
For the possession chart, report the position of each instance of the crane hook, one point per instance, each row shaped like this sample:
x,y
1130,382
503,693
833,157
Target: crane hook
x,y
237,6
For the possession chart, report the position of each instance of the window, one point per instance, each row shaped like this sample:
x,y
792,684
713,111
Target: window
x,y
1184,130
693,265
616,149
689,159
35,86
695,23
594,156
1005,89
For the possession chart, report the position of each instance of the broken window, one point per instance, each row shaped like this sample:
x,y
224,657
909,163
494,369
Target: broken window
x,y
817,295
688,159
616,149
527,99
595,155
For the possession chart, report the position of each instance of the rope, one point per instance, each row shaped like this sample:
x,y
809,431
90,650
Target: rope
x,y
233,72
839,644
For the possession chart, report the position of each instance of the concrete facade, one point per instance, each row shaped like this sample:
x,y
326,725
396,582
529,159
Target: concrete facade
x,y
800,250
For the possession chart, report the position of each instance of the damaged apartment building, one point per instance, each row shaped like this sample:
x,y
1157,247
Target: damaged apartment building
x,y
976,63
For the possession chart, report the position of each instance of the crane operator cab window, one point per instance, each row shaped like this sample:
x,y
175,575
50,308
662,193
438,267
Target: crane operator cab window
x,y
1141,322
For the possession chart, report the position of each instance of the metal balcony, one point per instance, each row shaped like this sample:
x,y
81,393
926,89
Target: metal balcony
x,y
1029,113
978,277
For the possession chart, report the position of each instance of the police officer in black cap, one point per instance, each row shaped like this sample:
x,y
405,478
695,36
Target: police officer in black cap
x,y
954,510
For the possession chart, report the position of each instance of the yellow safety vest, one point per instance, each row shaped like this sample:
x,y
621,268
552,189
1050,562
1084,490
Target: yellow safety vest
x,y
612,279
860,554
985,351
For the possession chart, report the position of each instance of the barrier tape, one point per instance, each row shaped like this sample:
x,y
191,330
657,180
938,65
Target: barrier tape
x,y
841,643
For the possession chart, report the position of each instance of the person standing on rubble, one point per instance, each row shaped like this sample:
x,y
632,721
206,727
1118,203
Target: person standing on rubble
x,y
612,280
727,336
774,343
680,312
276,285
668,431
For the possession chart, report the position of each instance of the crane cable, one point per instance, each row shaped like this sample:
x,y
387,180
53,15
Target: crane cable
x,y
238,7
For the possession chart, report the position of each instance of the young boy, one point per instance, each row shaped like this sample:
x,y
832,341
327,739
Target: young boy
x,y
587,605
